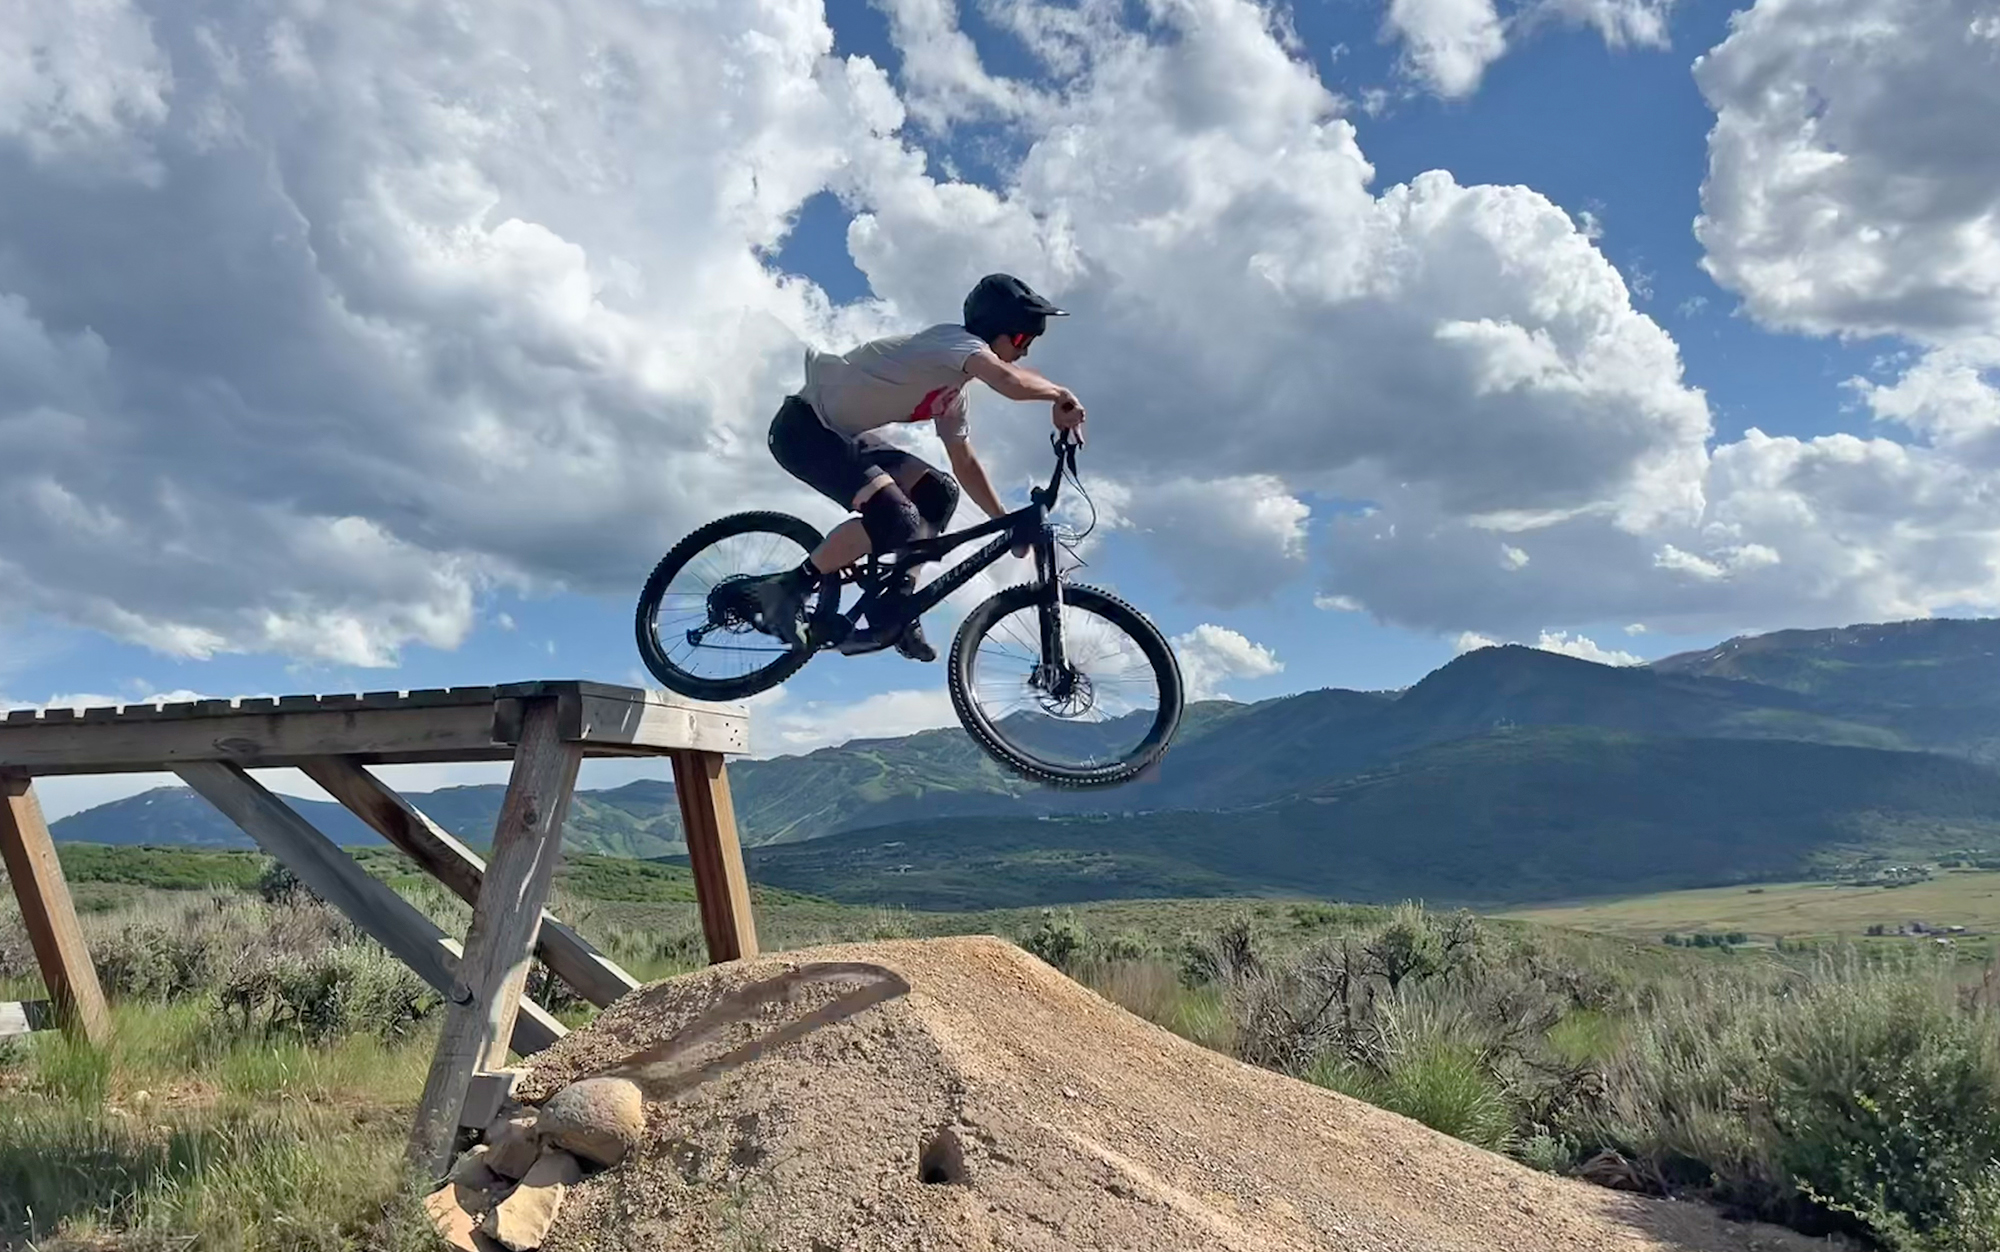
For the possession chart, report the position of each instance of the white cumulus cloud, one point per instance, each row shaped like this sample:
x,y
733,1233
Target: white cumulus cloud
x,y
1211,655
1447,44
1854,168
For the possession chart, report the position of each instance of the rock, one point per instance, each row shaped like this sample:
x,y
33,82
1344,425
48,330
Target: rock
x,y
511,1146
454,1224
477,1186
522,1220
471,1168
598,1119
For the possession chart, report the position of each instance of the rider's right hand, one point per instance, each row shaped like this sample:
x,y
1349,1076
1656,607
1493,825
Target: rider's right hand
x,y
1067,413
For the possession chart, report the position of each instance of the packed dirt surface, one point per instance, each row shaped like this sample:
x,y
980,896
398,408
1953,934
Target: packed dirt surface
x,y
959,1093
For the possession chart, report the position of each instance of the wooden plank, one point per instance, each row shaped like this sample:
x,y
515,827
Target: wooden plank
x,y
369,903
643,722
486,1093
595,976
49,914
61,743
708,821
526,843
21,1017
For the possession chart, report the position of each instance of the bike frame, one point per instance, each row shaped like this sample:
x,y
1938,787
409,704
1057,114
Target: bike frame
x,y
1023,527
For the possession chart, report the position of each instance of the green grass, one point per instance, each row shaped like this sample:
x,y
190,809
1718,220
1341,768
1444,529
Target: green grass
x,y
178,1131
166,868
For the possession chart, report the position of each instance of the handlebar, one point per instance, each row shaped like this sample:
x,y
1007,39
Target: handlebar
x,y
1065,443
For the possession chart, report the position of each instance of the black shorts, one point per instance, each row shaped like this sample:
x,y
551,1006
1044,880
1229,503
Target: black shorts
x,y
835,465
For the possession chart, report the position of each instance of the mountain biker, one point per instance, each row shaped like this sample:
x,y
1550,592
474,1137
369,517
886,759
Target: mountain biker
x,y
828,437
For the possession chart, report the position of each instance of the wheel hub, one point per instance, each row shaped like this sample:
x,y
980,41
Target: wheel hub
x,y
1063,692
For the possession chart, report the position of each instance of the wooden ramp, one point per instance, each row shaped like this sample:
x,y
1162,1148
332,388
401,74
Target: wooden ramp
x,y
544,728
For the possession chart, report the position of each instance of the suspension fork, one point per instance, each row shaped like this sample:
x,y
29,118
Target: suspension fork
x,y
1053,674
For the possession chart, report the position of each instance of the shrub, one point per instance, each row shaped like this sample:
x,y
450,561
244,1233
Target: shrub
x,y
322,996
277,884
1059,941
1858,1095
1125,946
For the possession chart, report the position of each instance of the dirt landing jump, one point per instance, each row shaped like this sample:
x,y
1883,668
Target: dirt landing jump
x,y
959,1094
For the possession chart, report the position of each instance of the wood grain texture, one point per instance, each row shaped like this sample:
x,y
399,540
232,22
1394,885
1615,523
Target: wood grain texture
x,y
48,913
594,976
708,818
505,920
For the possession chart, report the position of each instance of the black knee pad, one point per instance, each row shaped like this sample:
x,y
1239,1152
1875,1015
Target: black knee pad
x,y
890,519
936,498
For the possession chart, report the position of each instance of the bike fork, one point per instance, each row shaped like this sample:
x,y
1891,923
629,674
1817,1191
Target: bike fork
x,y
1053,674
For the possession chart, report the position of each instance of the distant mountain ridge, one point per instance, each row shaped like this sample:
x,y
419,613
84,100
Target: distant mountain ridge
x,y
1867,741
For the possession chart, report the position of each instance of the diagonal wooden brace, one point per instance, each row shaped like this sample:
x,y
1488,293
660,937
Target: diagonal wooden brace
x,y
332,875
595,976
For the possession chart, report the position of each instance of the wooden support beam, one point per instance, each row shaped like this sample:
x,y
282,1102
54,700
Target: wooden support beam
x,y
21,1017
526,843
708,819
595,976
49,914
366,901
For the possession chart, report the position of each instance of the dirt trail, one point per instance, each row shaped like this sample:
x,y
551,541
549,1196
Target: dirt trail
x,y
1047,1118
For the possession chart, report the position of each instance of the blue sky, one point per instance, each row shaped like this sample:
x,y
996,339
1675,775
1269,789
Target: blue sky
x,y
1616,135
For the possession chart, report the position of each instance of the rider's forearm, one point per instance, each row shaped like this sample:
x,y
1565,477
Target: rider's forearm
x,y
1019,384
1012,381
972,477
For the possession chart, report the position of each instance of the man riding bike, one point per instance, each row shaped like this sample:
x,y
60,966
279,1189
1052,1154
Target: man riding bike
x,y
827,436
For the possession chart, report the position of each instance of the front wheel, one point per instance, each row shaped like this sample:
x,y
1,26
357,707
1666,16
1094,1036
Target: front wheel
x,y
1101,719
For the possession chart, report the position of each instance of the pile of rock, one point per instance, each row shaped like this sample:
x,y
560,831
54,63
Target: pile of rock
x,y
505,1191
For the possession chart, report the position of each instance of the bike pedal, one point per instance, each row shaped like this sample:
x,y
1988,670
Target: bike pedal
x,y
860,643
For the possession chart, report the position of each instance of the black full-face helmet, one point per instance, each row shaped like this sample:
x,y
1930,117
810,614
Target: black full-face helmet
x,y
1002,304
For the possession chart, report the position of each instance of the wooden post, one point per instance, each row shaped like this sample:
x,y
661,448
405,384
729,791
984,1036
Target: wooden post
x,y
49,914
505,920
708,819
368,902
596,977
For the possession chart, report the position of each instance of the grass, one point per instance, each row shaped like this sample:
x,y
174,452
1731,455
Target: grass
x,y
1969,898
179,1134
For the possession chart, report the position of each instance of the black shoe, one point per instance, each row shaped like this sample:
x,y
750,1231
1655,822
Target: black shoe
x,y
912,643
781,601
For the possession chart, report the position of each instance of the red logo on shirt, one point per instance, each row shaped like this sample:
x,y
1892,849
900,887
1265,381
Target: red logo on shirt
x,y
934,405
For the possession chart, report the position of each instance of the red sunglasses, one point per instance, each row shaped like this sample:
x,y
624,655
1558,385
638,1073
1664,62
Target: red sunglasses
x,y
1021,342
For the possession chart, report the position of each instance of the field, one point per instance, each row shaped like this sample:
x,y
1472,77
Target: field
x,y
266,1058
1797,910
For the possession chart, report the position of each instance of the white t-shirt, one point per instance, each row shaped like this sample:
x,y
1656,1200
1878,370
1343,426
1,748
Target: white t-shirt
x,y
904,378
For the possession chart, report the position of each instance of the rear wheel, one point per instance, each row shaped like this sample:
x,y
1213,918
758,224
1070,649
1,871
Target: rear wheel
x,y
1103,718
696,627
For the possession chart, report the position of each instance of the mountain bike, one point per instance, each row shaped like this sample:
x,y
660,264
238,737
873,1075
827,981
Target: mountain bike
x,y
1061,683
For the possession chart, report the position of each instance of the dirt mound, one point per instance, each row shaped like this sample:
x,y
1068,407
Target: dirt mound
x,y
961,1094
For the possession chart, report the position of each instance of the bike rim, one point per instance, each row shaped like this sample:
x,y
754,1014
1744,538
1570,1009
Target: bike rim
x,y
723,652
1101,712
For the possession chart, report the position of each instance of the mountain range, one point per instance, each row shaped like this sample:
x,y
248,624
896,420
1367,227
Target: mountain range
x,y
1510,774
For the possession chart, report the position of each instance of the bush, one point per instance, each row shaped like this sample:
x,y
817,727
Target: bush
x,y
1858,1095
277,884
320,997
1059,941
